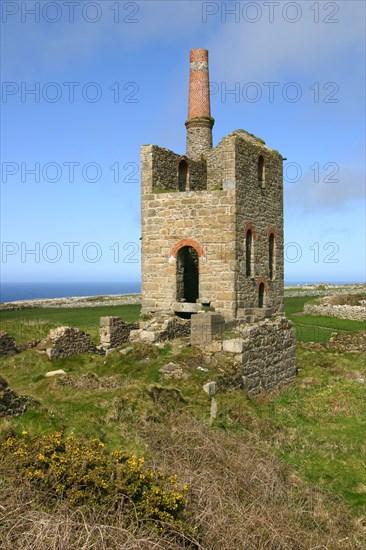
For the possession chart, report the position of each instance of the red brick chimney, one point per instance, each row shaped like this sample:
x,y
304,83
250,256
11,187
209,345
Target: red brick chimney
x,y
199,124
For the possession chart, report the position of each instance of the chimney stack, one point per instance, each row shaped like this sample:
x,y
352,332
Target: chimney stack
x,y
199,124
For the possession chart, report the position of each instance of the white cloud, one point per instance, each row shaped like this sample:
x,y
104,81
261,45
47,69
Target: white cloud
x,y
265,50
310,196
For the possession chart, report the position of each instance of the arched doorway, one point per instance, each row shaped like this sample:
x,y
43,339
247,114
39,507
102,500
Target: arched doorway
x,y
182,175
187,274
261,292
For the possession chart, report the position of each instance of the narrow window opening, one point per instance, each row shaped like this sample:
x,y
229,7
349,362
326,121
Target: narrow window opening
x,y
261,293
249,253
187,275
261,172
271,246
182,175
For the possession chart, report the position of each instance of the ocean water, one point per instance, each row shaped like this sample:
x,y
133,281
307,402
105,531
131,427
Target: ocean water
x,y
9,292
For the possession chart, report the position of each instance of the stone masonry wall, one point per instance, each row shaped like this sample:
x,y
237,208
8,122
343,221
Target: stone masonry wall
x,y
264,355
216,219
261,209
354,313
115,332
206,217
67,341
164,170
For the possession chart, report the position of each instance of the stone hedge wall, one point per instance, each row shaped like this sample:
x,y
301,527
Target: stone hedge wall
x,y
354,313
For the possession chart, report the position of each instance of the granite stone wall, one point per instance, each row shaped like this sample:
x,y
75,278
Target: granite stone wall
x,y
215,220
354,313
67,341
115,332
264,357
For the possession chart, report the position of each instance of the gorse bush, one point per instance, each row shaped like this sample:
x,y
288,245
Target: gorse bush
x,y
83,473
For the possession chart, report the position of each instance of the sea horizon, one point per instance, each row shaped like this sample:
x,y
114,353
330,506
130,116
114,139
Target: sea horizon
x,y
11,292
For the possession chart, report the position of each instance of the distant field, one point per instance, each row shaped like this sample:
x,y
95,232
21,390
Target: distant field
x,y
35,323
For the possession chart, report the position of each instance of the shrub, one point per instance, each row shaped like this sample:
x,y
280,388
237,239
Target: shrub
x,y
83,473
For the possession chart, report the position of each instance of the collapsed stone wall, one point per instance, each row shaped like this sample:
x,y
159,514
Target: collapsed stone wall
x,y
264,357
67,341
7,344
348,343
114,332
11,404
353,313
161,329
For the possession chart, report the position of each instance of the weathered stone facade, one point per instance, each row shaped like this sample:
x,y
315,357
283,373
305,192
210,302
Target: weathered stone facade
x,y
215,222
212,235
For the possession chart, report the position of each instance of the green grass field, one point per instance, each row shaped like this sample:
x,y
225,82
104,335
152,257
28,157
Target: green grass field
x,y
317,425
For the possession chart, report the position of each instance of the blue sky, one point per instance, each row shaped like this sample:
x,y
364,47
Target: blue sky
x,y
109,76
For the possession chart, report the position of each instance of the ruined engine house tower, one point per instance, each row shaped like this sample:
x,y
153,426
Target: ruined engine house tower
x,y
212,219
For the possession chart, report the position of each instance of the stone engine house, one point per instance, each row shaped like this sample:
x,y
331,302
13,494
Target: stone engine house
x,y
212,219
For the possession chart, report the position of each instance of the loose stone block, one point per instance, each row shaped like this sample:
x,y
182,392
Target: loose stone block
x,y
234,345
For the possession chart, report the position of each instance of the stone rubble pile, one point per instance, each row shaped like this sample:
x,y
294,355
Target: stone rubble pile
x,y
348,343
11,404
7,344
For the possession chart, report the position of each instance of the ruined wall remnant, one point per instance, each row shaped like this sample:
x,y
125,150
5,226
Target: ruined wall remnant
x,y
115,332
11,404
161,329
264,357
7,344
67,341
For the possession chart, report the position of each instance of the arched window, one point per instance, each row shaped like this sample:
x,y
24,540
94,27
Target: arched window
x,y
261,295
182,175
261,172
249,253
272,256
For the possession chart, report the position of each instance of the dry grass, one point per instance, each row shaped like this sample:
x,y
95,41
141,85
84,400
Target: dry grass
x,y
241,497
25,525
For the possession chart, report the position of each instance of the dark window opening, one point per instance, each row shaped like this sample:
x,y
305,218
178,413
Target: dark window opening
x,y
261,295
248,253
271,246
182,175
187,274
261,170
